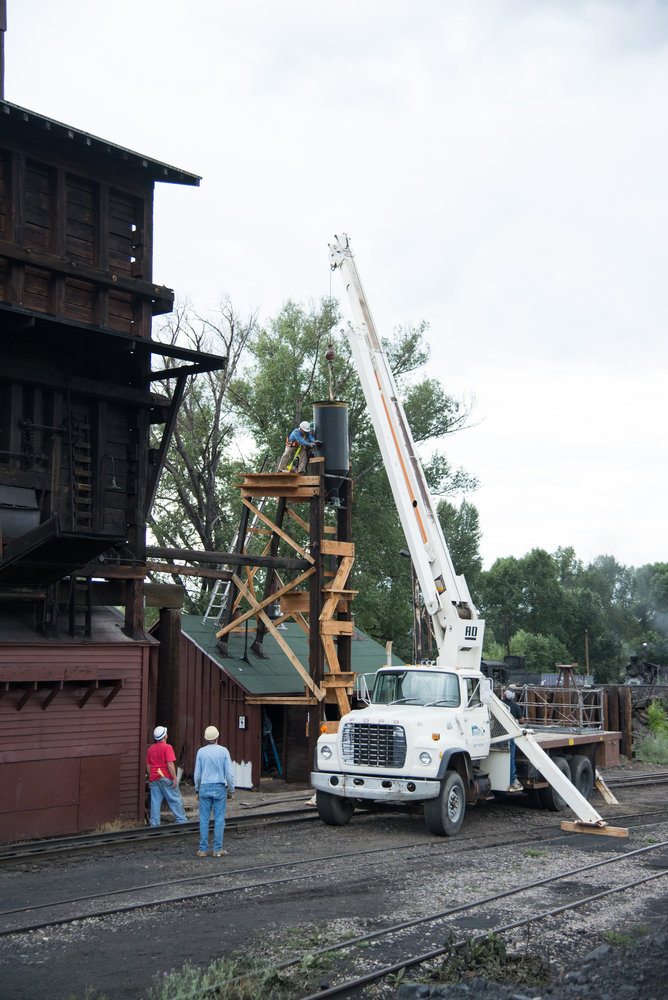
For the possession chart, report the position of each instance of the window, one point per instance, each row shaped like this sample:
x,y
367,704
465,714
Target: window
x,y
416,687
472,692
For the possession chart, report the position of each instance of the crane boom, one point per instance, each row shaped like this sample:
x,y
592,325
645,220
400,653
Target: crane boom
x,y
457,628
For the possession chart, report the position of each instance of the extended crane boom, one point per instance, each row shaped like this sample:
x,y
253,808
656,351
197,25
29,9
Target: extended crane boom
x,y
457,629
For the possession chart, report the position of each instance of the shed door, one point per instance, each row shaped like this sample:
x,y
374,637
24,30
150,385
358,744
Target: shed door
x,y
50,798
99,789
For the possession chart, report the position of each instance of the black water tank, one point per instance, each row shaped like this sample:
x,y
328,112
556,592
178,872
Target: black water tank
x,y
331,427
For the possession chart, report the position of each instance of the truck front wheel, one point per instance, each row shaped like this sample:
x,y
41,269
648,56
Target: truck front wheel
x,y
444,815
332,809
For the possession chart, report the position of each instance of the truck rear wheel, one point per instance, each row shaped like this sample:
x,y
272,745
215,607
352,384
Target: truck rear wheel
x,y
332,809
582,775
549,797
444,815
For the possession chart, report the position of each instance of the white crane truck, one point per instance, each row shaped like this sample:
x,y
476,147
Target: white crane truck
x,y
429,733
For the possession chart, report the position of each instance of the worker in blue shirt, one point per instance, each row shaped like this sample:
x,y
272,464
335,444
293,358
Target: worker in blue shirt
x,y
298,449
214,782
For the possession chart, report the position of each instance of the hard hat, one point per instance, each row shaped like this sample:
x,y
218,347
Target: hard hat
x,y
305,426
159,732
211,734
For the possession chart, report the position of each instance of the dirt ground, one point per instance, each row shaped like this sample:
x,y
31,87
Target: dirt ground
x,y
117,957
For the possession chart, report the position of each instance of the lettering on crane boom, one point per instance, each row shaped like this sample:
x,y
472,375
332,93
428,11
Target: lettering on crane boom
x,y
471,632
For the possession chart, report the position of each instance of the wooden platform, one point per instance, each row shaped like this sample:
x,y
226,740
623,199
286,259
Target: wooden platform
x,y
291,486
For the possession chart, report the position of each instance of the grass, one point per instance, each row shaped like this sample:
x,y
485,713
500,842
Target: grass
x,y
240,978
625,939
653,747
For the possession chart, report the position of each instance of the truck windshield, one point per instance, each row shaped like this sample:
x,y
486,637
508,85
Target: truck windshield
x,y
416,687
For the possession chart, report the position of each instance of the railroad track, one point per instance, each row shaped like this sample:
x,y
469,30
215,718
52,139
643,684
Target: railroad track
x,y
350,985
637,779
144,834
79,842
58,912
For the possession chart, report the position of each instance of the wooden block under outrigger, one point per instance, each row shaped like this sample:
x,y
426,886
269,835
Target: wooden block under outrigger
x,y
599,827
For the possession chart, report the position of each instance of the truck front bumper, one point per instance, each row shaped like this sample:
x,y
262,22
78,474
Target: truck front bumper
x,y
375,787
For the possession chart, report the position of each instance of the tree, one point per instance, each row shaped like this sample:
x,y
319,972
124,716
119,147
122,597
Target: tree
x,y
196,505
541,652
461,528
285,373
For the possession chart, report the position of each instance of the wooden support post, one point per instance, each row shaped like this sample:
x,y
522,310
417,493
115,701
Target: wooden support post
x,y
625,720
317,531
168,698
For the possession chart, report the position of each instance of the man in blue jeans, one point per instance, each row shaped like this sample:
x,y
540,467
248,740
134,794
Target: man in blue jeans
x,y
214,781
162,782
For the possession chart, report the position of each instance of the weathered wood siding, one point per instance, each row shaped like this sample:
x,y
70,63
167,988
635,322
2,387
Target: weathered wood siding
x,y
82,244
210,697
68,766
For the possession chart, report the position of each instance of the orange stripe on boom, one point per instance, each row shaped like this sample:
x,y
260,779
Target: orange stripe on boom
x,y
403,467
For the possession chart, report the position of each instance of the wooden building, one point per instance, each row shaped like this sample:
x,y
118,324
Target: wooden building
x,y
244,694
81,383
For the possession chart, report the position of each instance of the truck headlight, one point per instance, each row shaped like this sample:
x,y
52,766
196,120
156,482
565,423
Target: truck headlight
x,y
326,752
425,758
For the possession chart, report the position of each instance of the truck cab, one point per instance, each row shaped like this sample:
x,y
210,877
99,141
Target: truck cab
x,y
422,721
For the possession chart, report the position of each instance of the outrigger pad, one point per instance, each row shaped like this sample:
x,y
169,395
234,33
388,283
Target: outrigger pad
x,y
581,826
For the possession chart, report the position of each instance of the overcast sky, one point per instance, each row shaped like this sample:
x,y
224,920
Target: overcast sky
x,y
500,168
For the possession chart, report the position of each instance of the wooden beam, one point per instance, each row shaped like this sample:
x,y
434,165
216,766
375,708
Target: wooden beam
x,y
112,694
331,548
170,568
604,790
333,663
297,519
25,697
52,694
303,673
279,531
335,627
298,494
265,603
225,558
582,826
111,571
92,688
273,699
346,680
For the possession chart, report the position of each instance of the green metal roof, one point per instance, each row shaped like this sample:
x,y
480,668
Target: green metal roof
x,y
275,674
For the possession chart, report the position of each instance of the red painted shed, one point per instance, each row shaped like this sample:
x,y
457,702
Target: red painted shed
x,y
73,725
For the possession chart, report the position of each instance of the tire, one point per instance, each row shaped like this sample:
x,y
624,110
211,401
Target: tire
x,y
333,809
582,775
551,799
444,815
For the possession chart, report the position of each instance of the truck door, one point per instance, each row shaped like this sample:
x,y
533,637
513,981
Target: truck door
x,y
477,726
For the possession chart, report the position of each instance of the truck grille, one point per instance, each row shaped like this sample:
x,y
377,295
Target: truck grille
x,y
373,745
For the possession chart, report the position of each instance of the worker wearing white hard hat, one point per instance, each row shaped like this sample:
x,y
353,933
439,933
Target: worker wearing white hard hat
x,y
298,449
162,780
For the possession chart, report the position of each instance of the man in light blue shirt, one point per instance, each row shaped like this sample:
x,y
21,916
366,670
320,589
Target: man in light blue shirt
x,y
214,781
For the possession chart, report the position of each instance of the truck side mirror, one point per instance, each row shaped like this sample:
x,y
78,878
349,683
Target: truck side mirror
x,y
485,690
362,689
